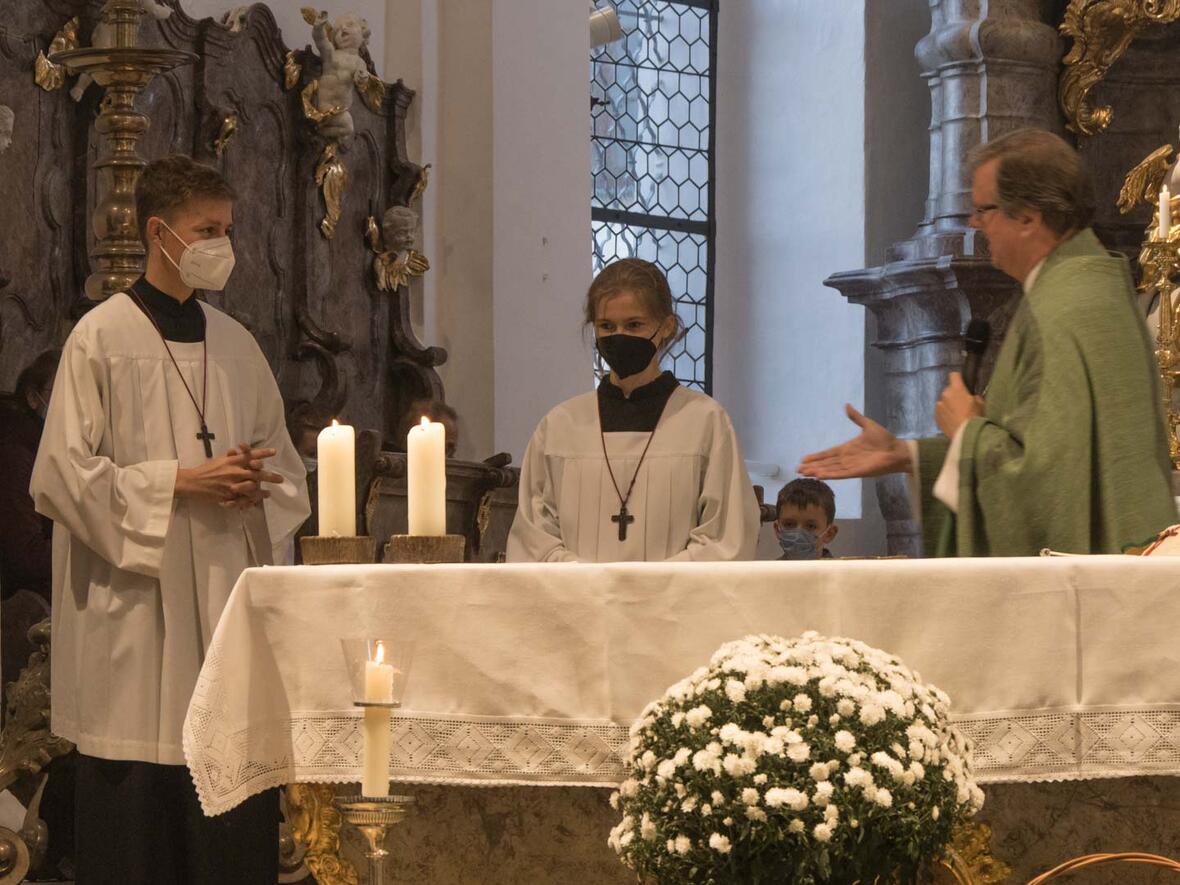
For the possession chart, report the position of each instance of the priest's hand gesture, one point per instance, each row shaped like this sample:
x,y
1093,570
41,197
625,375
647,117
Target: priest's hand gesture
x,y
875,452
233,480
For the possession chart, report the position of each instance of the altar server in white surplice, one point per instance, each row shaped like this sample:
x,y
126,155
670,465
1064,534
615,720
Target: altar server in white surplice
x,y
641,469
166,467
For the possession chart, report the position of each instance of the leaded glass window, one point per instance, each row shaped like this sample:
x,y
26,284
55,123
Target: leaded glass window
x,y
652,121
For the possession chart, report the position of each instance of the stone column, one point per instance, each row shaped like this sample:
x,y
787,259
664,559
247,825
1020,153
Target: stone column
x,y
992,67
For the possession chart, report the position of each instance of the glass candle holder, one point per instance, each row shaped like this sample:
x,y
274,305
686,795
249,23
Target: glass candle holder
x,y
377,671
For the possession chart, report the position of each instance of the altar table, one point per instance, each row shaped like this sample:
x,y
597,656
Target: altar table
x,y
1058,669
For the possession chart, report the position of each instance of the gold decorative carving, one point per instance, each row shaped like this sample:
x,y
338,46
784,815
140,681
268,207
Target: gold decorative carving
x,y
332,178
396,269
1143,183
969,858
315,823
420,185
372,90
50,76
1101,30
1159,262
292,71
229,126
373,234
310,91
26,743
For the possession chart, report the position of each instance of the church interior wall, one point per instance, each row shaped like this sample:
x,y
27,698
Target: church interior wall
x,y
791,203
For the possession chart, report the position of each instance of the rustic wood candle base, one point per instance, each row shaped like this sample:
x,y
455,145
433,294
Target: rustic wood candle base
x,y
325,550
425,549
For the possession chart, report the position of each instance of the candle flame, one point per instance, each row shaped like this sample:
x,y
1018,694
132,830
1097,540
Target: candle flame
x,y
335,423
425,421
380,656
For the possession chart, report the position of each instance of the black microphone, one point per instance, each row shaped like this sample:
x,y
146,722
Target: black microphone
x,y
974,344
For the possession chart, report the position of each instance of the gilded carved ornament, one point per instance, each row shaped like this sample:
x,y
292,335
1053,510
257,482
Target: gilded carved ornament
x,y
229,126
332,178
292,71
1101,31
46,74
315,824
969,858
1159,262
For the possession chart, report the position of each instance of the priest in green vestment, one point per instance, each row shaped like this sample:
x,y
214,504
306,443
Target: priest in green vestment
x,y
1067,449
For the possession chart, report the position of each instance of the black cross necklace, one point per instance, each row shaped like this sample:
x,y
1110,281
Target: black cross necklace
x,y
204,436
623,518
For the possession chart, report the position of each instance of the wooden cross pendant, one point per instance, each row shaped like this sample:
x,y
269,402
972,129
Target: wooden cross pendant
x,y
623,518
206,437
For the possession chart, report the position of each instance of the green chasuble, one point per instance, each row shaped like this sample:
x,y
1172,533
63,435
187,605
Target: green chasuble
x,y
1071,453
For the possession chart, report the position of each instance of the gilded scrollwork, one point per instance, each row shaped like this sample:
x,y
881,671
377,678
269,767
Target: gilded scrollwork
x,y
48,75
26,743
292,71
1101,31
332,178
372,90
969,859
315,824
229,126
1143,182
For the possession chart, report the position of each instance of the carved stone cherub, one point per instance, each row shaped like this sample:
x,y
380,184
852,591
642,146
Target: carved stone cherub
x,y
7,127
104,37
399,262
339,46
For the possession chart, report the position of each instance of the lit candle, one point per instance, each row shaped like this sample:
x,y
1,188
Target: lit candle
x,y
375,728
426,482
1165,213
336,456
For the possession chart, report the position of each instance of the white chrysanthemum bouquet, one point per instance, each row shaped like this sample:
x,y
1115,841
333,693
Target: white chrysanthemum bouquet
x,y
806,760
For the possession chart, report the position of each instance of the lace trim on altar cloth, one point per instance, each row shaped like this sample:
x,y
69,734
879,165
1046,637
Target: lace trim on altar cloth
x,y
490,751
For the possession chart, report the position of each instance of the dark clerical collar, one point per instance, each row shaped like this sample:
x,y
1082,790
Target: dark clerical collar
x,y
638,413
184,323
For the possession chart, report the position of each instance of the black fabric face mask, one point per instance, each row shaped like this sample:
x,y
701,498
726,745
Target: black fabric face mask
x,y
627,355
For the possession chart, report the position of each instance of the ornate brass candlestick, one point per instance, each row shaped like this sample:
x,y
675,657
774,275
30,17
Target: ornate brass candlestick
x,y
1161,261
373,816
123,69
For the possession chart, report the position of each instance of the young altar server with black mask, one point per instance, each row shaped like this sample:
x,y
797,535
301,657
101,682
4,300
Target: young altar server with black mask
x,y
641,469
166,467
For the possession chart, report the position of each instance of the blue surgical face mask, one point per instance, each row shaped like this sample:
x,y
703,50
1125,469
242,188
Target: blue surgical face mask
x,y
798,543
309,464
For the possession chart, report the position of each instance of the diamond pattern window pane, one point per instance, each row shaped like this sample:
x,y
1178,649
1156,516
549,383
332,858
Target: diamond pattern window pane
x,y
652,171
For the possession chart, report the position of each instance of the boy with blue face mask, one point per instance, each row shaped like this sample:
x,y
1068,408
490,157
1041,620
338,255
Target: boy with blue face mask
x,y
806,519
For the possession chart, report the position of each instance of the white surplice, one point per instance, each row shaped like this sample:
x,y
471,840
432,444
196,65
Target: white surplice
x,y
692,500
140,577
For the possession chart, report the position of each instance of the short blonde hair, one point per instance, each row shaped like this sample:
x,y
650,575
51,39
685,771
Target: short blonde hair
x,y
643,280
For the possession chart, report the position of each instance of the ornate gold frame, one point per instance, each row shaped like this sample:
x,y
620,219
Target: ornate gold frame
x,y
1101,30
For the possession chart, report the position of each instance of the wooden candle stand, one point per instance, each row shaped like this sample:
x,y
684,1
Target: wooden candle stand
x,y
425,549
325,550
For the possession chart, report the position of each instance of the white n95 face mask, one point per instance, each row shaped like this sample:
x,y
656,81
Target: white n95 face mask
x,y
205,264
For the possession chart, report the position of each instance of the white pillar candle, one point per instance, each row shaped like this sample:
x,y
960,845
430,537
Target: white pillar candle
x,y
426,479
336,456
1165,226
375,728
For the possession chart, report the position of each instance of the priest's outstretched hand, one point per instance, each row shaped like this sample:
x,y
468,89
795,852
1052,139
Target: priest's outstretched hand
x,y
233,480
875,452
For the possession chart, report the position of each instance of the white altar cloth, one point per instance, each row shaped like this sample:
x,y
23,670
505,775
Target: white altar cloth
x,y
531,674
